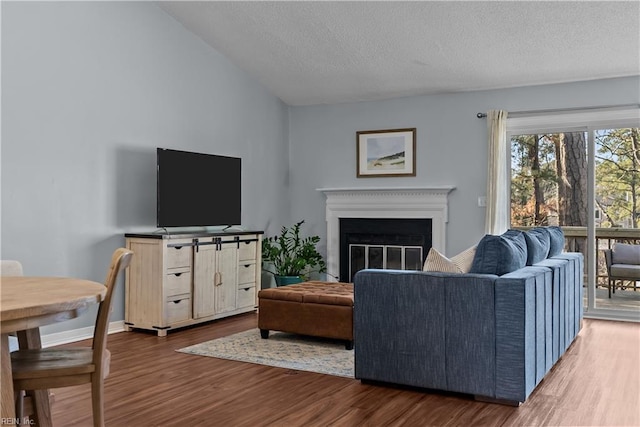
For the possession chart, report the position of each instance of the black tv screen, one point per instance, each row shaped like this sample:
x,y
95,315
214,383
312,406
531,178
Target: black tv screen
x,y
196,189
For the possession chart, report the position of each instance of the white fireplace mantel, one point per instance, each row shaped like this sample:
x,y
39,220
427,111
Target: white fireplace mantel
x,y
399,202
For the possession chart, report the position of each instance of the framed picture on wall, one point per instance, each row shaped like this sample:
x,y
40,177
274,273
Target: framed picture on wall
x,y
382,153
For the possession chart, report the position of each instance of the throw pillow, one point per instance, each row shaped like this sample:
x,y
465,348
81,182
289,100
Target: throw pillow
x,y
500,254
464,260
624,253
538,242
556,241
460,263
439,263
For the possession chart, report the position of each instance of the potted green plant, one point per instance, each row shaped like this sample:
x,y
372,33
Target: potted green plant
x,y
292,258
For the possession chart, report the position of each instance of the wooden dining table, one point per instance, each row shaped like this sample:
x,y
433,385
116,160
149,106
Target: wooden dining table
x,y
26,303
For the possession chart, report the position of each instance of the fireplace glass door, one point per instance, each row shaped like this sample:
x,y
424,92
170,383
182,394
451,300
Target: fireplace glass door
x,y
384,243
384,257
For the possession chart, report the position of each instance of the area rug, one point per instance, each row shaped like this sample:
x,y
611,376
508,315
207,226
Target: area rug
x,y
282,350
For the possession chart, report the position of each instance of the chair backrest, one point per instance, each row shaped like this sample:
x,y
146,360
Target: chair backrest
x,y
10,268
625,253
120,260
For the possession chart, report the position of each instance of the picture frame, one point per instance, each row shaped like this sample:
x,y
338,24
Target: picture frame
x,y
386,153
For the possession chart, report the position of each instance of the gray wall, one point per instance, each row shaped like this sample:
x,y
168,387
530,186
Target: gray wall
x,y
451,145
89,90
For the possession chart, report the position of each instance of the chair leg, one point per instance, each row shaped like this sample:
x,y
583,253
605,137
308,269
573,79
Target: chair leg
x,y
609,286
19,396
33,406
97,404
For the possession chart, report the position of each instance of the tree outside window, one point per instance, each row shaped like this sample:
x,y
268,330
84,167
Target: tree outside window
x,y
549,178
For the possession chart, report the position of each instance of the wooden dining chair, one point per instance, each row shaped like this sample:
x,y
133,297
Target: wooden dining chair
x,y
24,403
38,369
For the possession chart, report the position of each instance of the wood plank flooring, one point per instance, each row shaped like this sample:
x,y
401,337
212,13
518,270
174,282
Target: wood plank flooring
x,y
596,383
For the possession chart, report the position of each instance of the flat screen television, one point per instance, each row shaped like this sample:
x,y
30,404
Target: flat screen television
x,y
196,189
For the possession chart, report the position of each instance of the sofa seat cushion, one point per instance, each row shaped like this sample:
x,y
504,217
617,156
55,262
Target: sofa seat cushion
x,y
629,271
312,292
500,254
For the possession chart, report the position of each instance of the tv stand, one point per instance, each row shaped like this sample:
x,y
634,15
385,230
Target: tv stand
x,y
184,278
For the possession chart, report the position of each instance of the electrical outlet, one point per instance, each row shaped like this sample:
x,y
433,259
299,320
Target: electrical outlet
x,y
482,202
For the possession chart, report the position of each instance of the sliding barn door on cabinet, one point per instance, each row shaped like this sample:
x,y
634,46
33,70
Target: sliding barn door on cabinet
x,y
215,279
204,281
227,281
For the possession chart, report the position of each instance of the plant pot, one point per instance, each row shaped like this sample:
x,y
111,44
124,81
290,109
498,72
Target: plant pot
x,y
287,280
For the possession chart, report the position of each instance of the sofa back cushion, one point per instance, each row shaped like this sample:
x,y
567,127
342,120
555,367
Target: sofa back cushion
x,y
538,242
500,254
556,241
624,253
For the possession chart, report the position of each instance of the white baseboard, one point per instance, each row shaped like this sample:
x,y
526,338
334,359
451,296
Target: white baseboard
x,y
65,337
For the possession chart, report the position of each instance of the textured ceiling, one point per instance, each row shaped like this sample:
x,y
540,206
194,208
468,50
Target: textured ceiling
x,y
320,52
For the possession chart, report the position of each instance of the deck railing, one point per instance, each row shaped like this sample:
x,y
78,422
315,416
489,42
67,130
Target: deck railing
x,y
605,238
576,241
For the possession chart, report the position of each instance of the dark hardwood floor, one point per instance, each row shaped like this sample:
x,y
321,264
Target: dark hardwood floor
x,y
597,382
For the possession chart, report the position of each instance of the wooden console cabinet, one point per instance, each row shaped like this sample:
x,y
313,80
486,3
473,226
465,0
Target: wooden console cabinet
x,y
177,280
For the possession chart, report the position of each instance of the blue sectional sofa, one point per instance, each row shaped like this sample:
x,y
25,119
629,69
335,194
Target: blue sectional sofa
x,y
491,336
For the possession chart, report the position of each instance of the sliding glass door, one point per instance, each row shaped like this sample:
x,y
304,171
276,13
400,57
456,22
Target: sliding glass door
x,y
616,211
587,181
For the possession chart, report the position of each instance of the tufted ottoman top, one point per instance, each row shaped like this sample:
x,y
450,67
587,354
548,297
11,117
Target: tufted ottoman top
x,y
313,292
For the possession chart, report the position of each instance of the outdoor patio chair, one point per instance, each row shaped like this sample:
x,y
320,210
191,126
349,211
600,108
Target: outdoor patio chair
x,y
623,264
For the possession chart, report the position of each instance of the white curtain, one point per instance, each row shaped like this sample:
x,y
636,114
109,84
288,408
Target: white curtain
x,y
497,214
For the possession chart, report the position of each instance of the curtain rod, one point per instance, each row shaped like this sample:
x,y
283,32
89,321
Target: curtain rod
x,y
562,110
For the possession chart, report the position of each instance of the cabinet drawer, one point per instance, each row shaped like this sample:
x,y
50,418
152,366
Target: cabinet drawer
x,y
246,273
178,256
247,251
178,309
247,297
178,282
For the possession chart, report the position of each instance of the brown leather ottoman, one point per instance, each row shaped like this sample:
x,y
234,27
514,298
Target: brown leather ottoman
x,y
320,309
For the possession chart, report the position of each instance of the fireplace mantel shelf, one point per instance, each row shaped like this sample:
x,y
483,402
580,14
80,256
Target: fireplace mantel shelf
x,y
438,189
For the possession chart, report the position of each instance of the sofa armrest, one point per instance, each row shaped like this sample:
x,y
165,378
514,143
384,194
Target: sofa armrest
x,y
397,339
523,325
432,330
